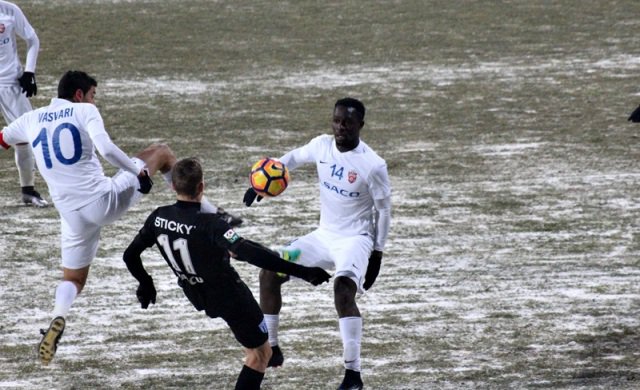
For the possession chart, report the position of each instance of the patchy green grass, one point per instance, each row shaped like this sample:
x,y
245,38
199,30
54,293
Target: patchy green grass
x,y
513,257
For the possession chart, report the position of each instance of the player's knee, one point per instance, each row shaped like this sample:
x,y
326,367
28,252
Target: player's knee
x,y
258,358
265,276
163,148
344,293
344,286
168,157
158,157
269,279
159,150
78,282
77,277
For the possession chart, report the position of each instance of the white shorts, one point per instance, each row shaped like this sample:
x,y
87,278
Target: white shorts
x,y
349,255
80,229
13,103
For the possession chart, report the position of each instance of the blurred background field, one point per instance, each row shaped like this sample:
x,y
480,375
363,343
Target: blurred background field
x,y
513,257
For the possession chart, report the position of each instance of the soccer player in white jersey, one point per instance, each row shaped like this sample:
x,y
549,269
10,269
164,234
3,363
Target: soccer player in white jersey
x,y
16,86
355,215
65,136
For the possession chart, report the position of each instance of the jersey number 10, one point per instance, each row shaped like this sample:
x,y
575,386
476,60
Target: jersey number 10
x,y
55,141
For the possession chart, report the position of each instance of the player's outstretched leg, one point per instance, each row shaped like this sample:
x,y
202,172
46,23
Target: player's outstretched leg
x,y
158,157
351,381
50,338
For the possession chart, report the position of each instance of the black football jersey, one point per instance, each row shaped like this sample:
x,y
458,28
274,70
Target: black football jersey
x,y
194,244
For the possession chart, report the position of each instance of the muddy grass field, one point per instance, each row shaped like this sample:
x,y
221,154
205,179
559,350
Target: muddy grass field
x,y
513,260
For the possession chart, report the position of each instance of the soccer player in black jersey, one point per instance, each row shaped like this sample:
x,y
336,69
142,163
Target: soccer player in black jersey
x,y
197,247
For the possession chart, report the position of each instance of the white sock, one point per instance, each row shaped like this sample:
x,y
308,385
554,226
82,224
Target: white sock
x,y
66,293
167,177
272,321
207,207
25,164
351,333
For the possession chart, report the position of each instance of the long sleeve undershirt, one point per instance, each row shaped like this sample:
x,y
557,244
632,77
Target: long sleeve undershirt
x,y
113,154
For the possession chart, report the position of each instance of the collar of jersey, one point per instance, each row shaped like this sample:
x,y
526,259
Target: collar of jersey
x,y
357,149
187,205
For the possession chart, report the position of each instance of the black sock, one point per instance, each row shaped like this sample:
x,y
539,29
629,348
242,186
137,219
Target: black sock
x,y
249,379
27,189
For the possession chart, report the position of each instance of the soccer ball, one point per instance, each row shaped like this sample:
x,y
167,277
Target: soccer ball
x,y
269,177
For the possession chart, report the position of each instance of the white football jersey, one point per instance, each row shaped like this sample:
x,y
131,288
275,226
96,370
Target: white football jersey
x,y
12,23
349,182
60,136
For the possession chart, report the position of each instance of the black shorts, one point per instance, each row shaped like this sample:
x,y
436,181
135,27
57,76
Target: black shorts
x,y
232,301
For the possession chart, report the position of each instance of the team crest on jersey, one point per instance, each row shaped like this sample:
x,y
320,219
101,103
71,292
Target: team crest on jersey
x,y
263,327
231,236
2,28
353,175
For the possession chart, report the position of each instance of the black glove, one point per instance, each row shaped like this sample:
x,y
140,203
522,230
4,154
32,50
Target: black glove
x,y
315,275
372,269
250,196
635,115
145,182
146,293
28,83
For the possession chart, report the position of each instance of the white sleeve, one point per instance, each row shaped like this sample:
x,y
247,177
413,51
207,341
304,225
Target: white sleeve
x,y
25,31
383,222
33,46
3,143
379,183
14,133
113,154
299,156
294,158
380,188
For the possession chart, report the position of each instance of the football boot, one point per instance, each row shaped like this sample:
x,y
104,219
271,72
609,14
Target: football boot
x,y
289,255
31,197
49,343
351,381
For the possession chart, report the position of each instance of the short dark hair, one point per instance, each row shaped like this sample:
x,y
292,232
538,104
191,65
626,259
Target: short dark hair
x,y
186,176
74,80
351,103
